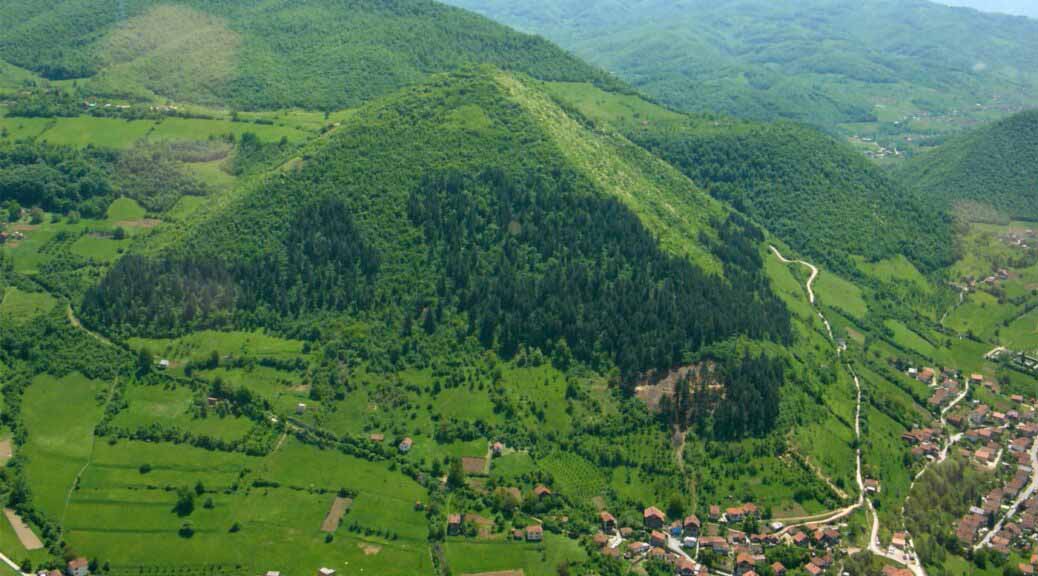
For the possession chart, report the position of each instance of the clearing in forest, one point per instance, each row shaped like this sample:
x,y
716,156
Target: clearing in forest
x,y
473,465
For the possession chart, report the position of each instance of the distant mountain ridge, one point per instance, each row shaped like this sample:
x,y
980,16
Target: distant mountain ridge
x,y
826,62
320,54
1027,8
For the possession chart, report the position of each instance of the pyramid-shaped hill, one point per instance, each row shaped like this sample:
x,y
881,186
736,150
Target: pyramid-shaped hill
x,y
471,203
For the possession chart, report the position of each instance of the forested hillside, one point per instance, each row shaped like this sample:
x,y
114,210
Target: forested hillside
x,y
424,208
989,173
320,54
826,62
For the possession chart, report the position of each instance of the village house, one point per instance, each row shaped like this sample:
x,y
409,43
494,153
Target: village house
x,y
600,540
800,539
715,513
534,533
692,526
608,522
872,486
926,375
78,567
1020,444
984,455
743,564
272,573
654,518
735,514
541,491
826,538
979,415
716,543
454,524
326,572
919,436
968,527
778,569
406,444
658,539
1028,430
813,570
300,408
686,568
497,448
637,549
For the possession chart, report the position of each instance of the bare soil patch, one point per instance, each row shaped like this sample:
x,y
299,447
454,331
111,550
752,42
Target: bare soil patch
x,y
474,465
25,534
655,386
139,223
339,507
6,450
369,549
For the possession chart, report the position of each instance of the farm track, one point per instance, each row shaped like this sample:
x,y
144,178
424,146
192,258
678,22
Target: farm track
x,y
911,562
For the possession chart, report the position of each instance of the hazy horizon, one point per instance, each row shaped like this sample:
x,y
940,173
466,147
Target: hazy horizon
x,y
1017,7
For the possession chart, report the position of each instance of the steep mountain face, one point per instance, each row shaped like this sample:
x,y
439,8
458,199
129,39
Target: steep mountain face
x,y
989,173
319,54
473,204
826,62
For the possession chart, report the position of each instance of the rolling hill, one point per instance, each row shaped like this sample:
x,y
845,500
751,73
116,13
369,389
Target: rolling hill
x,y
826,62
319,55
990,173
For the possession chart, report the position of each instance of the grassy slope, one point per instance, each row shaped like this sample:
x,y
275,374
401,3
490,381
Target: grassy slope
x,y
272,55
991,171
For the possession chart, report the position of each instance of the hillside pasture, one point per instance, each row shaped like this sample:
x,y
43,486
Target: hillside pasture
x,y
56,454
18,306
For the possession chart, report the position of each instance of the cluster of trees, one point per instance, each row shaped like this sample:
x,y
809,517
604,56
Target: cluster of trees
x,y
746,404
56,178
84,181
326,265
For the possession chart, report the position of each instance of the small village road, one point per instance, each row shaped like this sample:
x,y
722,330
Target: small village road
x,y
1023,497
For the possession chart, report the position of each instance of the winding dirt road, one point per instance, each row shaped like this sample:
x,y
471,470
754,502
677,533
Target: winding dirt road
x,y
909,560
